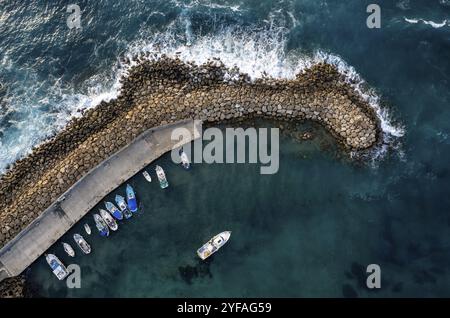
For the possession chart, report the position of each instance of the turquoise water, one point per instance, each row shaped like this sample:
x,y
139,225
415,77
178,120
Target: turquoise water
x,y
309,230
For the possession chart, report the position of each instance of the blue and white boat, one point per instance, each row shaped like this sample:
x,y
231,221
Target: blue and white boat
x,y
112,224
102,227
122,204
114,211
57,266
131,199
161,177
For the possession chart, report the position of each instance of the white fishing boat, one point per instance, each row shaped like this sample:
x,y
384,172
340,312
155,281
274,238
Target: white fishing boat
x,y
161,177
147,176
57,266
82,244
213,245
68,249
109,220
184,160
102,227
87,228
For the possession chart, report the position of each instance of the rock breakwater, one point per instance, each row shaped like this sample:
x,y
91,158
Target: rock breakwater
x,y
157,92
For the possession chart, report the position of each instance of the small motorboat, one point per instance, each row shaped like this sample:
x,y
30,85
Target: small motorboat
x,y
161,177
121,203
131,199
114,211
82,244
147,176
112,224
68,249
184,160
213,245
87,228
57,266
102,227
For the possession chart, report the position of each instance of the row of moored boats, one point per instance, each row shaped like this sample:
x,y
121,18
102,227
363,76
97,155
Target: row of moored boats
x,y
105,221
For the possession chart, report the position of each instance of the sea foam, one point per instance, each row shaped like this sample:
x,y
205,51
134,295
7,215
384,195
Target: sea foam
x,y
257,52
433,24
263,53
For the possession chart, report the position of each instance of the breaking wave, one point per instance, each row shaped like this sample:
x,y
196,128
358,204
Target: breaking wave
x,y
258,51
433,24
263,53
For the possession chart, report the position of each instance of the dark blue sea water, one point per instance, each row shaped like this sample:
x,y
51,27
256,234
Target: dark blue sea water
x,y
309,230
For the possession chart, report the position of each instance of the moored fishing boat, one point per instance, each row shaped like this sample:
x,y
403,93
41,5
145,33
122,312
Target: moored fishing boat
x,y
184,160
87,228
161,177
147,176
82,244
131,199
57,266
120,200
114,211
109,220
101,226
213,245
68,249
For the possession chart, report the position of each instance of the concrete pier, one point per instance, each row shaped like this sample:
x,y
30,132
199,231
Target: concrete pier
x,y
78,200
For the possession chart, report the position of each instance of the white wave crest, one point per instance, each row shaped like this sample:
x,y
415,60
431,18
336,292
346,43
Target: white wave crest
x,y
263,53
258,52
433,24
41,117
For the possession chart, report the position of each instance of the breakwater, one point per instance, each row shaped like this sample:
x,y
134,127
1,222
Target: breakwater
x,y
158,92
57,219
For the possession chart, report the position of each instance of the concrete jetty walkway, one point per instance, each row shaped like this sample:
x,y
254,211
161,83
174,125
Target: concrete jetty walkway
x,y
57,219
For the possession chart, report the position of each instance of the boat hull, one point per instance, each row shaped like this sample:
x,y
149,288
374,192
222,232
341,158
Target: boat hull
x,y
116,213
109,220
147,176
87,228
82,244
163,183
185,160
58,268
131,199
213,245
69,250
101,226
123,207
127,214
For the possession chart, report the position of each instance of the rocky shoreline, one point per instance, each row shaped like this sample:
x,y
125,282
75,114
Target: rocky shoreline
x,y
14,287
157,92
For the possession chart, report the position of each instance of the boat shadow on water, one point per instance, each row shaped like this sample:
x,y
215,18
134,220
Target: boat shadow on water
x,y
201,269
